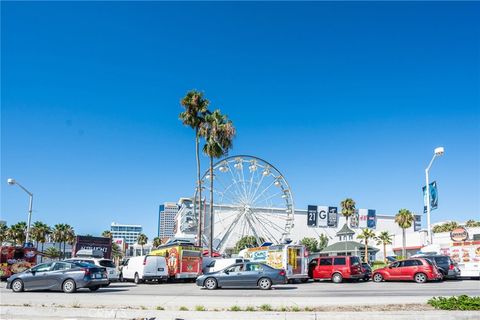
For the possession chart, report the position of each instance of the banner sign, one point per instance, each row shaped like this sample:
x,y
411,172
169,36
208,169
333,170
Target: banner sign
x,y
362,218
418,223
354,219
312,216
371,219
433,197
332,217
322,216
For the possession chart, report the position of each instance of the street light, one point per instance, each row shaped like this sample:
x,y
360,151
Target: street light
x,y
12,182
438,152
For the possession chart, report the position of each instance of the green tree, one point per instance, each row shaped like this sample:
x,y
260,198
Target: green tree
x,y
40,232
142,240
247,242
322,242
107,234
366,235
17,232
69,238
196,107
52,253
384,238
117,253
310,243
58,234
4,235
404,218
348,208
218,132
157,241
472,224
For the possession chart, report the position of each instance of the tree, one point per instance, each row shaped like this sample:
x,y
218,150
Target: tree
x,y
4,234
310,243
404,218
52,253
69,237
348,208
247,242
58,234
196,107
322,242
218,132
107,234
157,241
472,224
366,235
384,238
40,232
117,252
17,232
142,240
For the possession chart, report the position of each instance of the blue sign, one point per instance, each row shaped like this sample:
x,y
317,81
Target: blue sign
x,y
433,196
371,219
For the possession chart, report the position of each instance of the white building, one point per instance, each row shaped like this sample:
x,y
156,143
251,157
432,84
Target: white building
x,y
128,232
166,219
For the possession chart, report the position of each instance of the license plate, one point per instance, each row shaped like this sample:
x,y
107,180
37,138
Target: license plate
x,y
97,275
111,272
160,269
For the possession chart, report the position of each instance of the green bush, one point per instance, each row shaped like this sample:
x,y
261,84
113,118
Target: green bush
x,y
235,308
462,302
266,307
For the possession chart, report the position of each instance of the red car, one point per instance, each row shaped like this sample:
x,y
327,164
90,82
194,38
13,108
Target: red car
x,y
420,270
336,268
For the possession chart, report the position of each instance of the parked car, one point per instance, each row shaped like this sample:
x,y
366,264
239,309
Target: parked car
x,y
419,269
215,264
109,265
367,271
249,274
145,268
60,275
336,268
445,265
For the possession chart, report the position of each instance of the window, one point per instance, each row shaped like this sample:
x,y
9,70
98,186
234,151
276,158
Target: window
x,y
395,264
43,267
212,264
254,267
354,261
235,268
107,263
61,266
442,260
410,263
339,261
326,261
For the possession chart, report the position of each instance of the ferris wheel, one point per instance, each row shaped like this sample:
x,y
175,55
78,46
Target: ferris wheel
x,y
251,198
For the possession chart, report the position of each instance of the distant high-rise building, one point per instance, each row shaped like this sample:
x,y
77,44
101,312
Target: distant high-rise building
x,y
166,219
128,232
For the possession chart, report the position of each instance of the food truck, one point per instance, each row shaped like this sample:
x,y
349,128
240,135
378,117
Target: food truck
x,y
184,260
15,259
290,257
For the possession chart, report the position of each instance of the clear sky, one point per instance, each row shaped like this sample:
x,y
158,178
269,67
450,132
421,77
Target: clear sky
x,y
346,99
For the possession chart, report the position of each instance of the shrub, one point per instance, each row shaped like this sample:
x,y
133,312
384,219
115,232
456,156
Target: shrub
x,y
295,309
160,308
462,302
199,308
183,308
266,307
235,308
250,308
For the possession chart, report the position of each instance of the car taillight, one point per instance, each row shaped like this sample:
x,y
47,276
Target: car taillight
x,y
282,272
86,271
145,261
451,267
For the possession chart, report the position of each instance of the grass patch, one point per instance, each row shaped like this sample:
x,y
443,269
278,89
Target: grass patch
x,y
183,308
250,308
266,307
462,302
308,309
235,308
160,308
200,308
283,309
295,309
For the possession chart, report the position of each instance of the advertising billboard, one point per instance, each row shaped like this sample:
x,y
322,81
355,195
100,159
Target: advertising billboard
x,y
322,220
371,219
332,217
354,219
433,196
93,243
362,218
312,216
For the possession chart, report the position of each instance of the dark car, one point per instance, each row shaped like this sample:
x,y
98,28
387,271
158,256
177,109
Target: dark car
x,y
367,270
445,265
60,275
248,274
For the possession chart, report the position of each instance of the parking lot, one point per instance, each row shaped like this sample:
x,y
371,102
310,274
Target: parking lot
x,y
174,295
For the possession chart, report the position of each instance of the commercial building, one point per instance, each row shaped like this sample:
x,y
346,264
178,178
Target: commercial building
x,y
166,219
128,232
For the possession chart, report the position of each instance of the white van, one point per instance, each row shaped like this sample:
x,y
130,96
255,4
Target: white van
x,y
144,268
220,264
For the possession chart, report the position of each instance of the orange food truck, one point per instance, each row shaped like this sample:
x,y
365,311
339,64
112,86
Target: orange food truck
x,y
184,260
15,259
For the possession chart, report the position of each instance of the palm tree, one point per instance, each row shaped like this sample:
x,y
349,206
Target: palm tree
x,y
404,218
142,240
40,232
69,237
4,234
348,208
17,232
384,238
157,241
366,235
58,234
196,107
117,252
52,252
218,132
107,234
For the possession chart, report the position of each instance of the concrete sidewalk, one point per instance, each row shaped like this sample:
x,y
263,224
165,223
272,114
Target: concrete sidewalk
x,y
10,312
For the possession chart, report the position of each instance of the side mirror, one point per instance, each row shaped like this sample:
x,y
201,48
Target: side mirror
x,y
227,272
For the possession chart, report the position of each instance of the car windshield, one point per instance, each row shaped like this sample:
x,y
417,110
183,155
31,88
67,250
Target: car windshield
x,y
107,263
442,260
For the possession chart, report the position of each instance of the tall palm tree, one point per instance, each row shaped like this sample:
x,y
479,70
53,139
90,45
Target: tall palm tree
x,y
348,208
142,240
196,107
107,234
157,241
366,235
384,238
4,234
404,218
58,234
69,237
17,232
218,132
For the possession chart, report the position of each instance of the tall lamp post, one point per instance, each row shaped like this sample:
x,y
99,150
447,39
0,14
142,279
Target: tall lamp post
x,y
438,152
30,204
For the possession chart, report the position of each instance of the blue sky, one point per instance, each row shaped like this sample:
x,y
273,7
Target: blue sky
x,y
347,99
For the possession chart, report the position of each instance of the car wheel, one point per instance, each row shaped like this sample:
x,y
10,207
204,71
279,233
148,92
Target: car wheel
x,y
377,277
211,283
17,285
420,277
337,278
94,288
265,283
137,279
69,286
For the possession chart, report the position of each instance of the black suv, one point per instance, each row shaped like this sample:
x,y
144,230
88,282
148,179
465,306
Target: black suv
x,y
445,265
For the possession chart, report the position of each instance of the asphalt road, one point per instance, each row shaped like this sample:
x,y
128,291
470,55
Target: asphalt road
x,y
173,295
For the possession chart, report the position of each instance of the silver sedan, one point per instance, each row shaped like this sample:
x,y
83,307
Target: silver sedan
x,y
59,275
249,274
